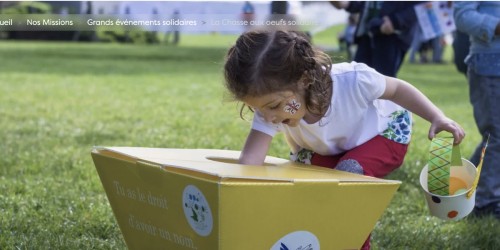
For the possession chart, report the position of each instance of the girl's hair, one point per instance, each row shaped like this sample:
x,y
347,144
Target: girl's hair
x,y
268,61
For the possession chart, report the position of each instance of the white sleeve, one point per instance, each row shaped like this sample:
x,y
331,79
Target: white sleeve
x,y
261,125
371,83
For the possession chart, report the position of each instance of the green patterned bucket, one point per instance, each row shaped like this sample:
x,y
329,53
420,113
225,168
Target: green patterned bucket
x,y
460,203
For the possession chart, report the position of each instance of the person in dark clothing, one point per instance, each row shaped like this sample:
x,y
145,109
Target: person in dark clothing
x,y
461,46
248,14
384,32
279,7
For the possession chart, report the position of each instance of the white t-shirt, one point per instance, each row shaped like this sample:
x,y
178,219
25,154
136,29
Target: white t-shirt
x,y
354,117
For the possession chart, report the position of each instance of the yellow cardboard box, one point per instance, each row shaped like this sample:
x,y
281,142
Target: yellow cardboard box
x,y
201,199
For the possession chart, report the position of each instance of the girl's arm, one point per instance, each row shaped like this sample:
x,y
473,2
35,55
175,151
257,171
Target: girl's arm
x,y
255,149
410,98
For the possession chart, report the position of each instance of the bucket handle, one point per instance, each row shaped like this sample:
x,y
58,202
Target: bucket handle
x,y
442,155
478,170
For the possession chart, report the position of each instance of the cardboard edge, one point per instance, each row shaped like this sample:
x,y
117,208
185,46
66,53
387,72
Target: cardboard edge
x,y
110,153
179,168
227,177
114,153
350,178
383,182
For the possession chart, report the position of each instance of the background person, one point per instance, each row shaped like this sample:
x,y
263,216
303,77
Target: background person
x,y
481,21
248,14
346,37
384,33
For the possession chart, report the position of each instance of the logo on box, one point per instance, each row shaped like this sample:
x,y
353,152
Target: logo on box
x,y
197,210
298,240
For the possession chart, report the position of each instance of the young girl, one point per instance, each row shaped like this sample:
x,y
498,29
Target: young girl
x,y
343,116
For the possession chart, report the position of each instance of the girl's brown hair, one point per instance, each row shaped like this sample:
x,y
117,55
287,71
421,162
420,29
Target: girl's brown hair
x,y
264,62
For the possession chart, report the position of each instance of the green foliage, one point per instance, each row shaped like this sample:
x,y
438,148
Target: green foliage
x,y
121,35
27,7
58,100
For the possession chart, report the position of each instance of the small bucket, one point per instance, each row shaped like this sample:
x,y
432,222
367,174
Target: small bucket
x,y
460,202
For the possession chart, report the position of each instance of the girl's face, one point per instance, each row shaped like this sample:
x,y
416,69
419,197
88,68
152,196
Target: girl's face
x,y
284,107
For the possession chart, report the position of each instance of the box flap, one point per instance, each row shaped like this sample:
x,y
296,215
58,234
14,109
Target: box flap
x,y
223,164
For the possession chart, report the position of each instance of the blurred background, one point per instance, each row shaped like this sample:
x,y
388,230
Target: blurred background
x,y
321,15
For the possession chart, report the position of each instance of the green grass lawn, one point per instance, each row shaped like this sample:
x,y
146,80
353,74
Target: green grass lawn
x,y
58,100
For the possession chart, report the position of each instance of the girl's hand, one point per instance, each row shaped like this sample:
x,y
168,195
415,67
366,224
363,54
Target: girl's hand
x,y
444,123
387,28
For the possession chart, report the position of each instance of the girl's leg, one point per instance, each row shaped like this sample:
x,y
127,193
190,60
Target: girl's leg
x,y
377,157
